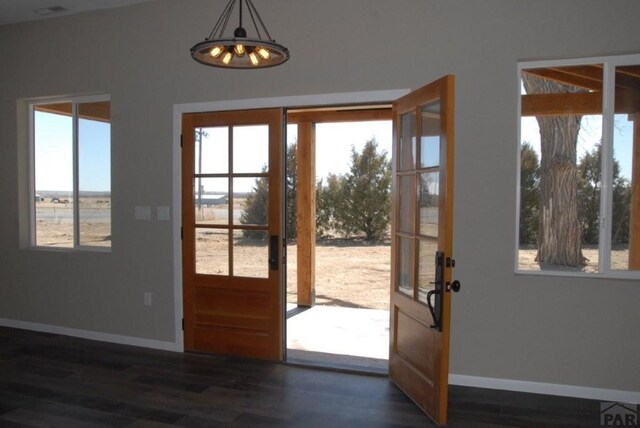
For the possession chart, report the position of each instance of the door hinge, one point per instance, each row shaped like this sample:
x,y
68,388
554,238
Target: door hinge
x,y
181,140
182,324
181,232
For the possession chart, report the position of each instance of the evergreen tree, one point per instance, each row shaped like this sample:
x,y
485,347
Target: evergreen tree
x,y
330,205
256,207
589,188
366,193
589,183
529,194
291,221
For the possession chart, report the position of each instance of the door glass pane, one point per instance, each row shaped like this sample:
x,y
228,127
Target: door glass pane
x,y
407,141
406,208
428,193
53,170
212,251
211,200
94,173
251,253
250,149
211,150
430,138
426,267
625,228
405,266
251,200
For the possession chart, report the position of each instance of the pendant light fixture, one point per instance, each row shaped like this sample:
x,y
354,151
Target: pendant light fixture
x,y
239,51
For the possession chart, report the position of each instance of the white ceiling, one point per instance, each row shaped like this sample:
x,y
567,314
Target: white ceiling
x,y
23,10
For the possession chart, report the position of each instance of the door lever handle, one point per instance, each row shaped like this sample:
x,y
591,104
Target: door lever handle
x,y
273,252
436,318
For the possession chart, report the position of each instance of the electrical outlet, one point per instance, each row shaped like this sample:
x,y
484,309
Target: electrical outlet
x,y
147,298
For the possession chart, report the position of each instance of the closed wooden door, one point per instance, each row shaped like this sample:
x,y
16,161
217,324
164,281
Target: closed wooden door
x,y
422,245
232,242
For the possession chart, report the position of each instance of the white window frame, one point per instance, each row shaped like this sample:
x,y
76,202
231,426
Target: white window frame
x,y
74,100
606,201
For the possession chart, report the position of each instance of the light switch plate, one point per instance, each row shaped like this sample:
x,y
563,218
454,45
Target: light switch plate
x,y
163,213
143,213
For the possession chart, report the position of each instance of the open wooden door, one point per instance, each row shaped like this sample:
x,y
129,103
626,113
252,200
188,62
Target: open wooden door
x,y
421,230
232,242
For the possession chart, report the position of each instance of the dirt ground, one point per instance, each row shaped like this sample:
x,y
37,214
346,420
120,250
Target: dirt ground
x,y
619,261
355,276
54,223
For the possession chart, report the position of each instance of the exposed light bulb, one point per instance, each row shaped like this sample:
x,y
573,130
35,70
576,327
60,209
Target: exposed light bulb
x,y
239,49
216,51
264,53
227,58
254,58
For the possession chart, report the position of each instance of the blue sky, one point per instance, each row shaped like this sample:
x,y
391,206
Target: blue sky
x,y
590,134
333,149
54,153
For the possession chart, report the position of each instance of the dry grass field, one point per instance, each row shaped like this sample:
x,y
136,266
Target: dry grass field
x,y
355,275
619,261
54,223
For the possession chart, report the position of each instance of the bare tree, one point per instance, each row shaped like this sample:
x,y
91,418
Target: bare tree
x,y
559,235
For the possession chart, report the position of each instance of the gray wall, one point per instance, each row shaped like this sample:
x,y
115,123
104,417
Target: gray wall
x,y
546,329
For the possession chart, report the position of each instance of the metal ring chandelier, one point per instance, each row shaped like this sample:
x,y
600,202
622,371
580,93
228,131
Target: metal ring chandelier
x,y
239,51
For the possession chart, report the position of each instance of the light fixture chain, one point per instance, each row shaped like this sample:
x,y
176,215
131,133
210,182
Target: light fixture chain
x,y
226,20
251,6
226,14
254,22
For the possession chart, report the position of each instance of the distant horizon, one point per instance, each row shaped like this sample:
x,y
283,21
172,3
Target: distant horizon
x,y
70,192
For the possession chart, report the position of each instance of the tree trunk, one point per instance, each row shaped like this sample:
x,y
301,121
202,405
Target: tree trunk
x,y
559,232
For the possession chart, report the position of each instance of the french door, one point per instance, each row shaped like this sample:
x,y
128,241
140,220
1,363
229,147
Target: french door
x,y
232,241
421,233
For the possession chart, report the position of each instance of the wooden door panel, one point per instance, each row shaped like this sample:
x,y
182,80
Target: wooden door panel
x,y
419,388
413,341
232,309
421,231
235,342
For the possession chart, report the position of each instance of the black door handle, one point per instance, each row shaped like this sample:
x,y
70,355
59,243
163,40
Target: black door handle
x,y
436,319
455,286
437,293
273,252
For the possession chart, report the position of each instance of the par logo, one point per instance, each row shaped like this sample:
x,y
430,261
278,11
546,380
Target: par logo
x,y
618,414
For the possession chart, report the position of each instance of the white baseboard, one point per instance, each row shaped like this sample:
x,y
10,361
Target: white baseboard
x,y
91,335
546,388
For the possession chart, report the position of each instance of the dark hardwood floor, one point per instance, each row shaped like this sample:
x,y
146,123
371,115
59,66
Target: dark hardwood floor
x,y
51,380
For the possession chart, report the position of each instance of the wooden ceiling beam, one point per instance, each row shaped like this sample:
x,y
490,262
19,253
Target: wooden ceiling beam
x,y
581,103
98,111
627,80
629,70
314,116
589,78
584,103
